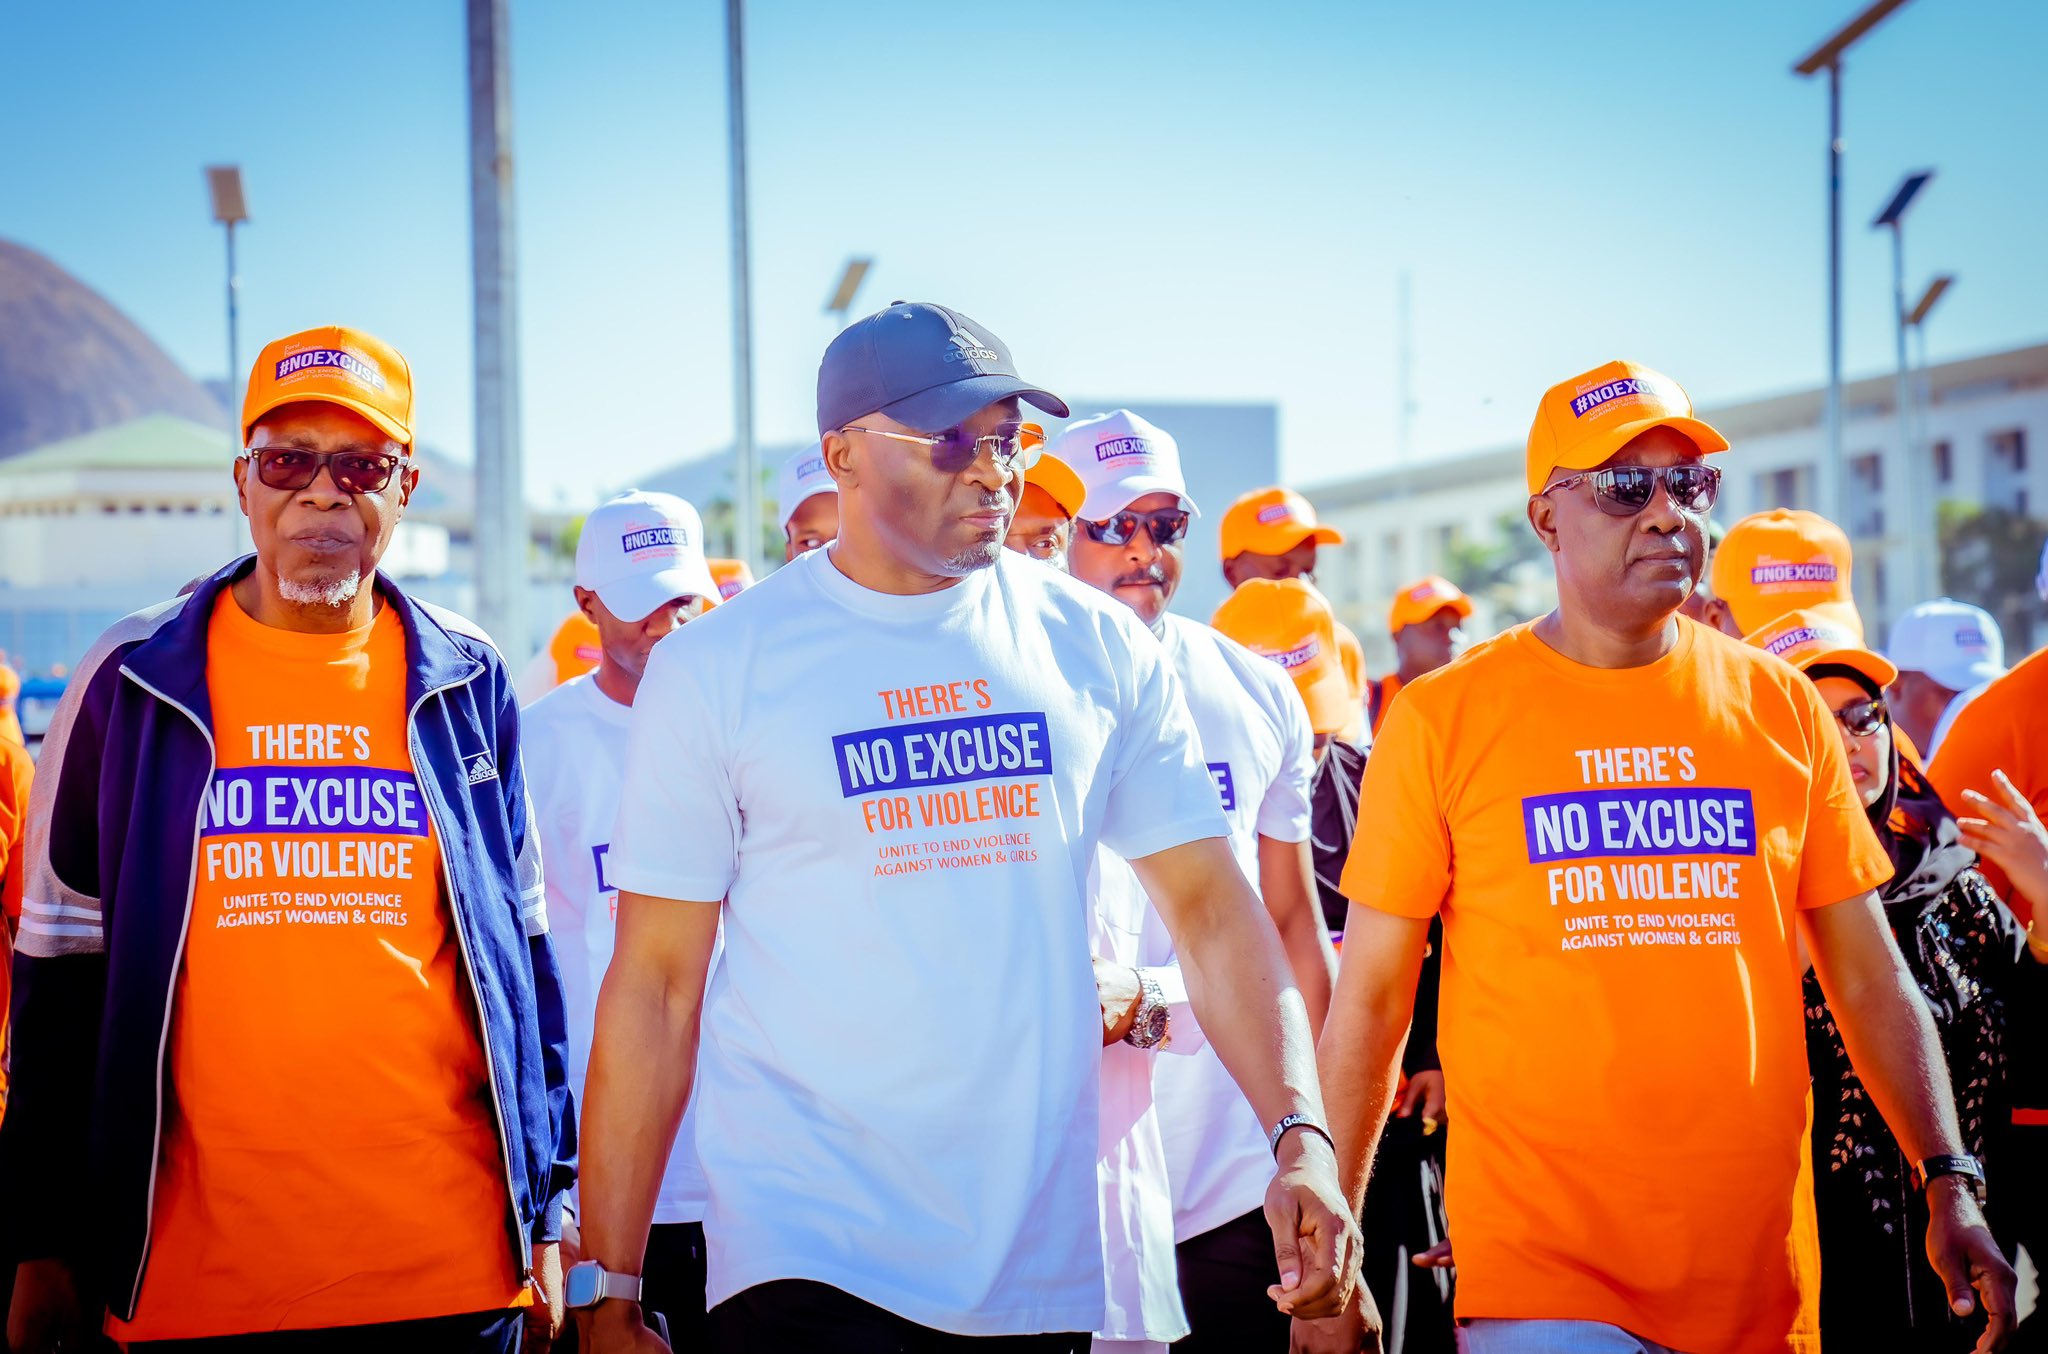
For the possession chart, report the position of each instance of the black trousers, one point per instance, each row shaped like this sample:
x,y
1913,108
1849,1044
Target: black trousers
x,y
2019,1217
816,1318
496,1332
1224,1274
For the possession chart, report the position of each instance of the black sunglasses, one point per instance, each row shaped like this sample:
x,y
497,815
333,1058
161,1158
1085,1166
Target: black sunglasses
x,y
1166,526
355,472
1625,490
1863,718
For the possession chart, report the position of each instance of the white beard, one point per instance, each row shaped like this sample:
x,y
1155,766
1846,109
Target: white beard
x,y
335,592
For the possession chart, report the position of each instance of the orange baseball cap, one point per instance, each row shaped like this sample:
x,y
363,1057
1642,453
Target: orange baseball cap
x,y
1784,560
1287,620
733,576
1583,421
336,365
1422,599
1272,522
1060,483
1807,639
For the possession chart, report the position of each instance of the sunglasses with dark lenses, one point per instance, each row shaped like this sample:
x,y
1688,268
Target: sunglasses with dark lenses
x,y
1013,446
1165,525
355,472
1863,718
1625,490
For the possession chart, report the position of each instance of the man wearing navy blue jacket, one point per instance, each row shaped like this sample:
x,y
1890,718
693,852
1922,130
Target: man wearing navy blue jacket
x,y
289,1045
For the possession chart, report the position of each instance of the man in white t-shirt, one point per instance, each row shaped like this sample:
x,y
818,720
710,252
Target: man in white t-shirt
x,y
1258,747
809,502
640,573
892,760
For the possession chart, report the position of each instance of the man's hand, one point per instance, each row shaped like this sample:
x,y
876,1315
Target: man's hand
x,y
45,1314
616,1327
1315,1238
572,1243
2005,830
544,1318
1960,1247
1425,1091
1355,1330
1117,989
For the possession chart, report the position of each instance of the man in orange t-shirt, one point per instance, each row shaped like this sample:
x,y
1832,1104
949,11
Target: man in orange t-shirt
x,y
1628,823
1424,622
288,866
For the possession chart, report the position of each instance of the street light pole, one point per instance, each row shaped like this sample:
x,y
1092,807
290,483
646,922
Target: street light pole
x,y
1828,57
1893,218
224,185
501,584
746,468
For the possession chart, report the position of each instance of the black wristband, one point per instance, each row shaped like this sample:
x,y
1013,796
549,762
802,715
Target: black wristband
x,y
1292,1122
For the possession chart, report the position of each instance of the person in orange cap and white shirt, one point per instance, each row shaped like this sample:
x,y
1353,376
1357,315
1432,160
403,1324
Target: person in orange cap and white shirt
x,y
1632,874
1273,533
1966,953
1256,741
1780,561
1424,623
1289,622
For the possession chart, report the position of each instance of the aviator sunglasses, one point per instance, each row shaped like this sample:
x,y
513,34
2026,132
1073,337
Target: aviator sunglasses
x,y
1166,525
1013,446
1625,490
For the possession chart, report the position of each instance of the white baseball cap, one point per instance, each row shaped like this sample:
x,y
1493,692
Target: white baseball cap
x,y
640,550
1120,458
1956,644
802,476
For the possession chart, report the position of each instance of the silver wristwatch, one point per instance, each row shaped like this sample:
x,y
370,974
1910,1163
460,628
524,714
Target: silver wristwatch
x,y
589,1283
1148,1026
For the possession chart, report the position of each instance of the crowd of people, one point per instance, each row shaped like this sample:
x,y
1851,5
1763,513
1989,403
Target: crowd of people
x,y
942,944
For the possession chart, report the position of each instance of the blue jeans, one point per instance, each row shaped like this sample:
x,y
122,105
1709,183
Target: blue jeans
x,y
1489,1335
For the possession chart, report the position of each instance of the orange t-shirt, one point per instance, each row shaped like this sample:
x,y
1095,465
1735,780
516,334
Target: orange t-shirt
x,y
1617,856
330,1153
1390,685
1999,731
17,771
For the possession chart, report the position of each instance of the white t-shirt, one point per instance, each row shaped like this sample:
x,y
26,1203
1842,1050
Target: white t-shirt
x,y
1256,739
574,743
898,798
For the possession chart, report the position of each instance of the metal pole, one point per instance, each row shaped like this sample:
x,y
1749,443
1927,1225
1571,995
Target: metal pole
x,y
746,472
234,361
1903,398
501,585
1834,399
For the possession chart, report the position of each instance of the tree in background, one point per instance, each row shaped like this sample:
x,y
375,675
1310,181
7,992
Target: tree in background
x,y
1505,571
1989,558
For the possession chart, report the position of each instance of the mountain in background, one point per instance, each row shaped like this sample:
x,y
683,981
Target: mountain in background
x,y
70,362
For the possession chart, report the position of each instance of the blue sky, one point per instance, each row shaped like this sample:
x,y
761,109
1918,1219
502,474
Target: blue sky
x,y
1182,200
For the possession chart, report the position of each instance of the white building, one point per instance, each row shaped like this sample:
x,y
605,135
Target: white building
x,y
1977,420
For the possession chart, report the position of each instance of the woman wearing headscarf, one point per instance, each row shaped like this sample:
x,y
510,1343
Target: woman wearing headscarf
x,y
1971,961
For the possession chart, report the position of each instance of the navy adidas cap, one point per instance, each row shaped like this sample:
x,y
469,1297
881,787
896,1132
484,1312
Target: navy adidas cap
x,y
925,366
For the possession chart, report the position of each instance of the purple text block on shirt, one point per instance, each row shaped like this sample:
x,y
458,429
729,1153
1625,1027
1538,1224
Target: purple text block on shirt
x,y
1694,821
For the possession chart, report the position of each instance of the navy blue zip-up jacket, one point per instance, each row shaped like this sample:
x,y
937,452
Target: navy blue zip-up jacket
x,y
112,848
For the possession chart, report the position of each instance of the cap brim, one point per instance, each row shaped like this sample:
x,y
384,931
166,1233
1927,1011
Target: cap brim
x,y
1105,501
1331,708
1594,452
635,597
1060,482
950,405
385,423
1873,665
